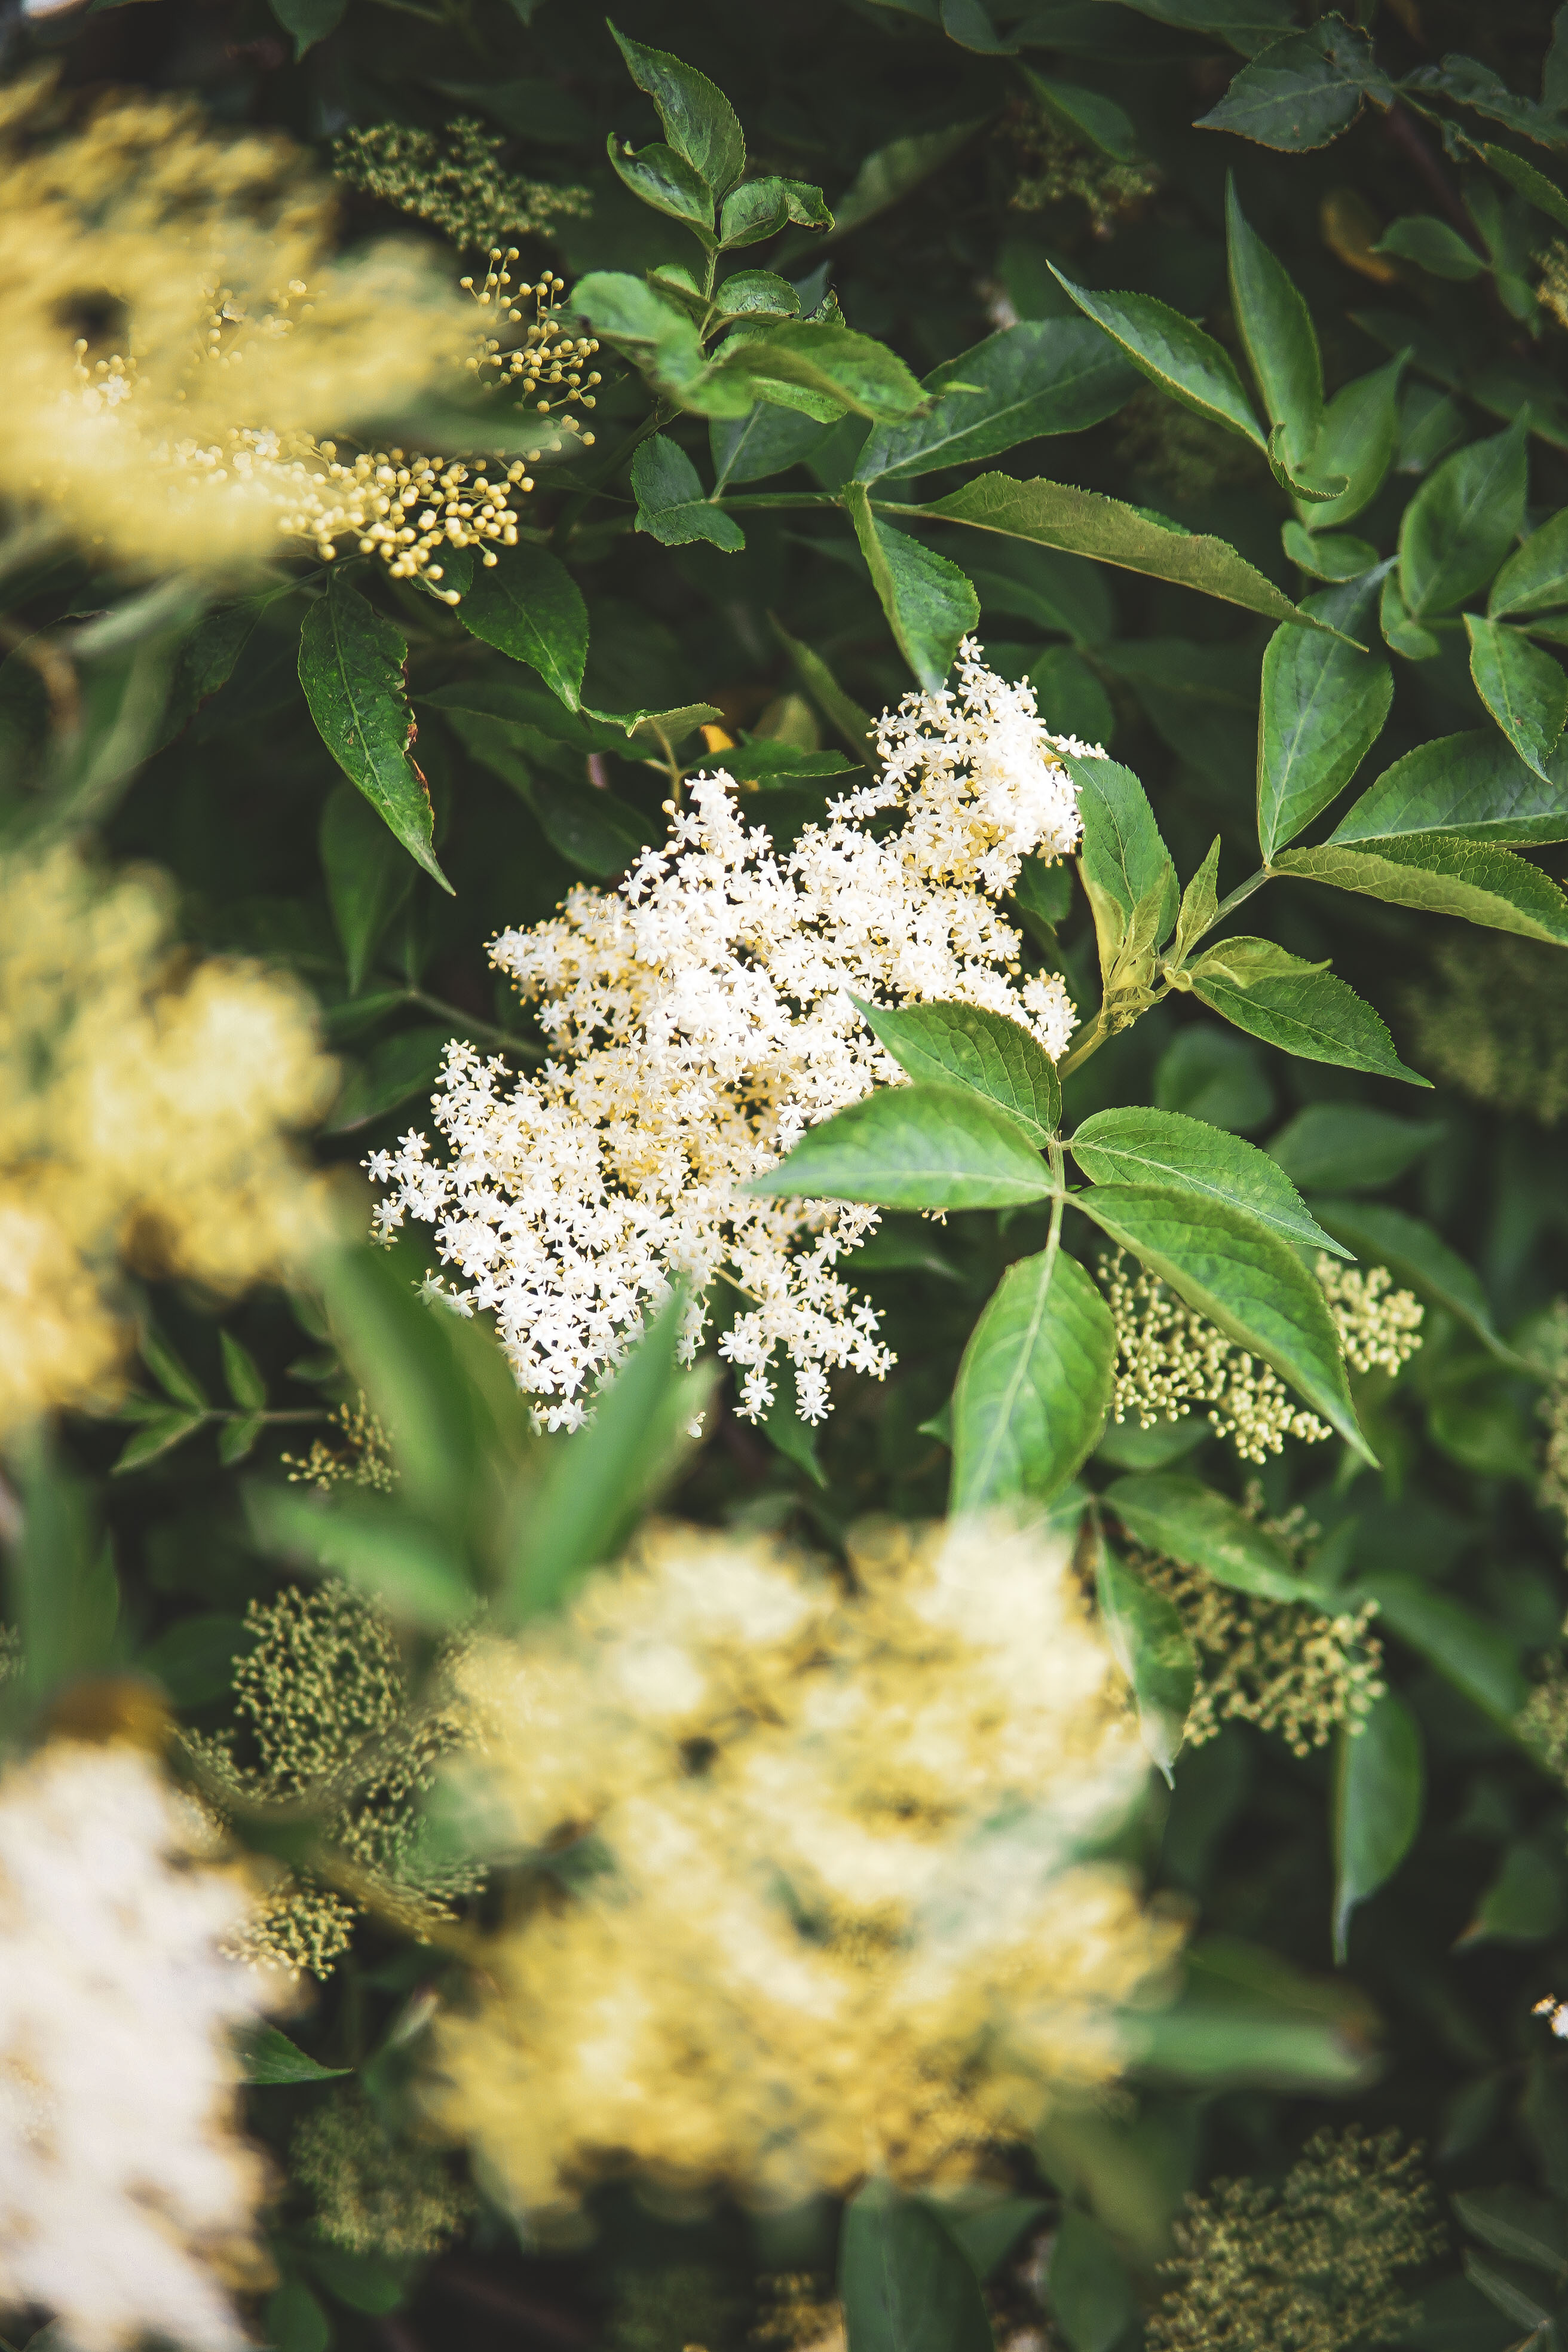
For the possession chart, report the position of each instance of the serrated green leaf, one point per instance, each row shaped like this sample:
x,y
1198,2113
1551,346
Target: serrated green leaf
x,y
762,207
1122,858
1358,436
350,667
237,1438
1278,331
1034,1387
1529,2228
1183,1519
767,440
1523,2309
1533,185
966,1046
903,2284
1232,1268
1468,787
169,1372
243,1373
1462,521
914,1147
1248,25
930,605
269,2056
1300,92
660,178
1167,1148
1535,577
1086,114
1294,1004
1044,375
853,726
1330,555
1379,1788
1172,351
1406,636
1086,522
530,608
1151,1645
1477,1657
1415,1255
1322,708
1525,690
1473,879
672,506
1433,245
850,372
592,830
699,120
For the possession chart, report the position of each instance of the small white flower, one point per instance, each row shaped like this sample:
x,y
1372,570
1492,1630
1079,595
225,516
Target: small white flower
x,y
702,1019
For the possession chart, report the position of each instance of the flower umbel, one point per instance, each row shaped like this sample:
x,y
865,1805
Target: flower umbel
x,y
812,1893
128,2200
700,1021
454,180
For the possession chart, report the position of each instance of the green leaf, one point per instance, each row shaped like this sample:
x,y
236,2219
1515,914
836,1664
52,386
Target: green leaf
x,y
159,1434
1415,1255
206,661
1525,690
1303,91
1044,375
310,21
1127,869
1359,438
1433,245
672,506
889,173
699,120
1477,1657
350,667
367,878
605,1475
904,2285
1276,329
591,829
1247,2016
399,1347
169,1371
1405,635
380,1548
1085,522
62,1594
1322,708
1188,1155
530,608
1462,521
1088,2288
1529,2229
1034,1387
1173,352
1535,576
929,602
1524,2310
1230,1267
1329,556
767,440
193,1657
965,1045
395,1070
1334,1147
1473,879
1533,185
1150,1646
1086,114
846,371
762,207
372,2284
1295,1005
914,1147
243,1373
295,2321
269,2056
237,1438
784,1428
1379,1786
1469,787
657,331
657,176
1184,1520
1525,1903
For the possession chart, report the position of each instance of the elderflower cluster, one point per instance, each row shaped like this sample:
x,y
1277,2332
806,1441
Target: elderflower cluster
x,y
145,1102
128,2200
1056,168
1491,1016
328,1717
363,1458
177,335
825,1899
454,180
700,1020
1169,1358
1311,2264
375,2192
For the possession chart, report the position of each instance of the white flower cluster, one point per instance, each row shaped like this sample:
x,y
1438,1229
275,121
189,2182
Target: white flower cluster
x,y
701,1021
127,2199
